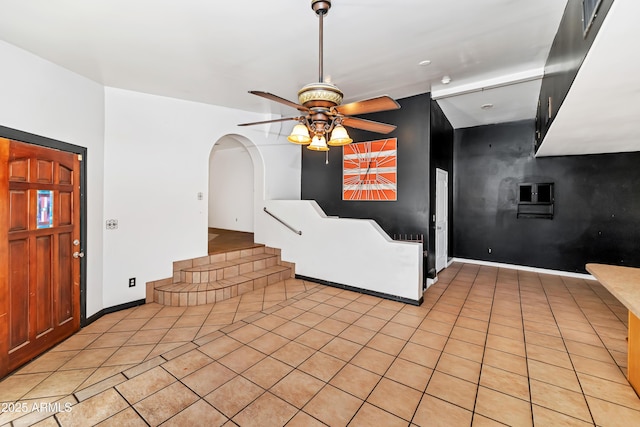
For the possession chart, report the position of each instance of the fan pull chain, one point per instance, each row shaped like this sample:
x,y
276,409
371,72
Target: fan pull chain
x,y
326,161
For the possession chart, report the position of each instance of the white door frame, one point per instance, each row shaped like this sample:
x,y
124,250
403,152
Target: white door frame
x,y
441,220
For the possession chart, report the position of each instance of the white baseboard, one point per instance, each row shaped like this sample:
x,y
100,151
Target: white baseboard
x,y
431,281
524,268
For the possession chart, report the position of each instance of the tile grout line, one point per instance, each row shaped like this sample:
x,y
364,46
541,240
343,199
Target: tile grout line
x,y
424,392
591,324
493,300
526,354
546,295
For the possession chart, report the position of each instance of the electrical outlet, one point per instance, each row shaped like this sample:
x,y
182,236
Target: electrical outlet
x,y
132,282
111,224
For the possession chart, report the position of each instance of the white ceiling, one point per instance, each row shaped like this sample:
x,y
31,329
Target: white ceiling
x,y
213,52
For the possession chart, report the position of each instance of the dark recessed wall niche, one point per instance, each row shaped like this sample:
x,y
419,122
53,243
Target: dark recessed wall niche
x,y
596,213
535,200
411,213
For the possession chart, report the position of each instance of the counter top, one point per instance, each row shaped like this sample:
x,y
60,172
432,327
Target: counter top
x,y
622,282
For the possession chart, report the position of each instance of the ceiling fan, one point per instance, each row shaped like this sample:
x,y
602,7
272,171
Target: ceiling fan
x,y
323,118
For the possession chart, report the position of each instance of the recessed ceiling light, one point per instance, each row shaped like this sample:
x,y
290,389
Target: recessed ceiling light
x,y
424,63
446,80
486,106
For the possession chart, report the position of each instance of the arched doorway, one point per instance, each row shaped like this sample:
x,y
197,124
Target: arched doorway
x,y
234,175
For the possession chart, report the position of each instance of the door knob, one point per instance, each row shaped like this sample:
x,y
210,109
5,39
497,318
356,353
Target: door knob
x,y
78,254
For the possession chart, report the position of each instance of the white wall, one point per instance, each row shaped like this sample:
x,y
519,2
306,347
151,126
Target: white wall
x,y
353,252
231,187
282,177
41,98
156,161
147,158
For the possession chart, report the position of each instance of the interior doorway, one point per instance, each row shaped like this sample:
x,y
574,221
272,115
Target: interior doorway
x,y
442,214
231,196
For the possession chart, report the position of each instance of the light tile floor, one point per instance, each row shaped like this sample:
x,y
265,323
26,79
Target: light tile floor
x,y
487,347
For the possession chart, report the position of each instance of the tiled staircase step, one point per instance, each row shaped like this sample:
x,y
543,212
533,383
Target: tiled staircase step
x,y
226,269
189,294
223,256
220,276
230,263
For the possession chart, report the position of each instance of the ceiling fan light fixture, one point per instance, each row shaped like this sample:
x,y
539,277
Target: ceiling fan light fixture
x,y
318,143
339,137
322,113
300,135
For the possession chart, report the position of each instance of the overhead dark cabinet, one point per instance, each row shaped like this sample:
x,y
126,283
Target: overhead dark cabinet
x,y
535,200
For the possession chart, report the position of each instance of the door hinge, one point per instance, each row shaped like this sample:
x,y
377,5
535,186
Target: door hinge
x,y
79,157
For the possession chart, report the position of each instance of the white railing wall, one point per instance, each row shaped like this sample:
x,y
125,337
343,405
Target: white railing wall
x,y
352,252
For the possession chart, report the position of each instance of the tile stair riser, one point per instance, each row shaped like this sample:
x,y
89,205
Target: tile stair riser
x,y
219,273
226,256
201,297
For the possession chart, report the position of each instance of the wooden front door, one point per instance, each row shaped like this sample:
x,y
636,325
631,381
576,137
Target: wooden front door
x,y
39,234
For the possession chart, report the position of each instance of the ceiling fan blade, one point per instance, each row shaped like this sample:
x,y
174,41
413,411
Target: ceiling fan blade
x,y
373,105
354,122
284,119
276,98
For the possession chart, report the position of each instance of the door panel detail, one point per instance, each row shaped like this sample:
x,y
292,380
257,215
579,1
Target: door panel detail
x,y
19,170
44,170
18,294
18,210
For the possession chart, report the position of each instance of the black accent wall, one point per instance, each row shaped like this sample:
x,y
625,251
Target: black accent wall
x,y
597,202
570,46
423,134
